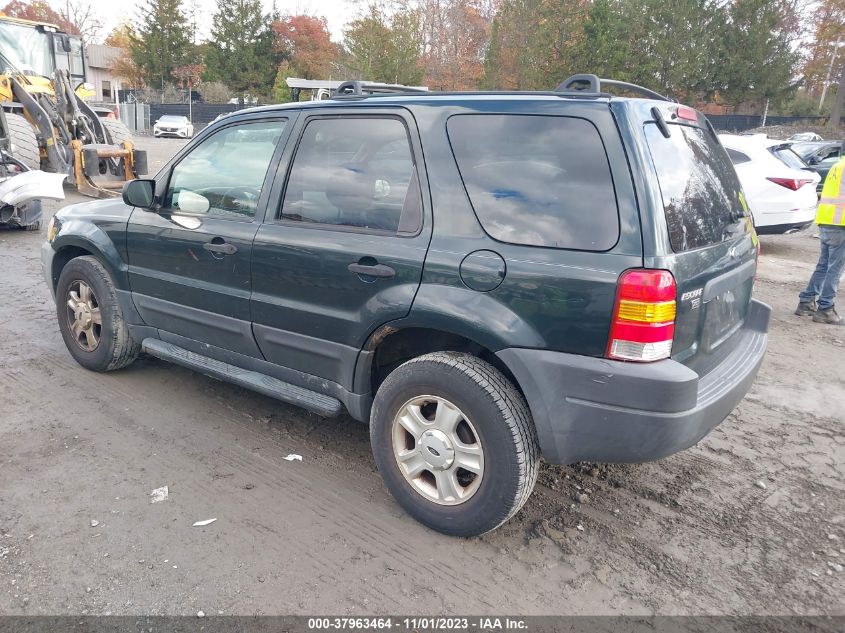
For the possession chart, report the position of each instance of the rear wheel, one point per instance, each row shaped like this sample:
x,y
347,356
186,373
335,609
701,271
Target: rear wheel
x,y
116,131
90,318
24,143
455,443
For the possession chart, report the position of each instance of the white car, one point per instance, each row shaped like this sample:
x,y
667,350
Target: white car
x,y
172,125
779,187
804,137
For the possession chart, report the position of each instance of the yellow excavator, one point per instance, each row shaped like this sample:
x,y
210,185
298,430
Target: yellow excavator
x,y
45,121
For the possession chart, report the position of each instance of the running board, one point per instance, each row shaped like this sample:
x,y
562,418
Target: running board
x,y
318,403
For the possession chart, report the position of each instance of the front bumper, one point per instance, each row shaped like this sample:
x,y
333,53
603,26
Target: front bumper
x,y
594,409
174,133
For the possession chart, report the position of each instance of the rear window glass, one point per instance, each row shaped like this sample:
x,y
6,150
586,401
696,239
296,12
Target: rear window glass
x,y
788,157
702,197
537,180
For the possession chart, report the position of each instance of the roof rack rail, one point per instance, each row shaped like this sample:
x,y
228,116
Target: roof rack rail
x,y
363,88
591,84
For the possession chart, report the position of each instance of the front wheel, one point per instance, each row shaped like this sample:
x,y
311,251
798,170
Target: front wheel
x,y
90,318
455,443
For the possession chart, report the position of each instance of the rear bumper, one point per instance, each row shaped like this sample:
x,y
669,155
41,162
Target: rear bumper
x,y
779,229
773,221
593,409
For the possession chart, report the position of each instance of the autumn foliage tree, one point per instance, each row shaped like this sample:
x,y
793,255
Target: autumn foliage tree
x,y
123,64
828,35
306,48
455,37
38,11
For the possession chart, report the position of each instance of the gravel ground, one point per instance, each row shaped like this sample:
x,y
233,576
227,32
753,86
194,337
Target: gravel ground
x,y
750,521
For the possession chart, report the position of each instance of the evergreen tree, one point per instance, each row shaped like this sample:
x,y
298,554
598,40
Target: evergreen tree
x,y
757,55
160,42
383,47
241,49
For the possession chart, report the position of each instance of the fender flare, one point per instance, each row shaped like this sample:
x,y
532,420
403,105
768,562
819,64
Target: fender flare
x,y
88,237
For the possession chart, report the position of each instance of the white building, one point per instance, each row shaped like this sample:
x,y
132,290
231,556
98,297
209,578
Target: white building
x,y
99,59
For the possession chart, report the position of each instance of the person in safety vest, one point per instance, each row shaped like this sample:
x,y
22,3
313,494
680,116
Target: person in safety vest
x,y
830,217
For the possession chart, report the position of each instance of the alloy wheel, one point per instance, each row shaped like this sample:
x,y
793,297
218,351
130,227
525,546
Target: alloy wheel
x,y
83,316
438,450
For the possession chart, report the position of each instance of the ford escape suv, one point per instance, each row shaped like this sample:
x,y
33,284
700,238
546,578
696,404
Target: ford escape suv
x,y
484,278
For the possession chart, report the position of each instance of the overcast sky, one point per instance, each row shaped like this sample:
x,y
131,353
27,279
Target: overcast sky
x,y
337,12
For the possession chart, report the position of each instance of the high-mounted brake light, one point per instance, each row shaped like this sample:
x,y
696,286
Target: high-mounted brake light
x,y
685,112
790,183
644,316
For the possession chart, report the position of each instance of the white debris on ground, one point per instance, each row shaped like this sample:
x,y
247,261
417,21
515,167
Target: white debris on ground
x,y
204,523
159,494
293,457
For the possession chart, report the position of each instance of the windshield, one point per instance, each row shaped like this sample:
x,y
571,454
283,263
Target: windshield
x,y
169,118
24,49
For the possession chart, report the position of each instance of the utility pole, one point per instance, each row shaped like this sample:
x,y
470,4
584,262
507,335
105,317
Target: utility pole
x,y
829,70
836,112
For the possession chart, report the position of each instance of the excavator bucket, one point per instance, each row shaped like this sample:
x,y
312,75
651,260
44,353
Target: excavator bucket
x,y
94,178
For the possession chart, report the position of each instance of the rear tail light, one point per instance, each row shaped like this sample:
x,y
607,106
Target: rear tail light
x,y
643,317
790,183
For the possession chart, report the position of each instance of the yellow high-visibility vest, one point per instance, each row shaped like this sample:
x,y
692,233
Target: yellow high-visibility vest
x,y
832,203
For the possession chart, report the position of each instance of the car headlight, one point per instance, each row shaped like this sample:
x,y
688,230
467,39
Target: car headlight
x,y
53,228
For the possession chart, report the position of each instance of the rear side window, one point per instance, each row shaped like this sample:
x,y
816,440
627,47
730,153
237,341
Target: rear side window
x,y
737,158
537,180
702,197
355,173
788,157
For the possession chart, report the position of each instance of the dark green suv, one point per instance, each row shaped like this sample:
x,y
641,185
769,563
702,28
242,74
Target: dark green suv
x,y
484,278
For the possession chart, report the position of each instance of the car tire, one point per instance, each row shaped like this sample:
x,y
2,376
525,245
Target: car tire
x,y
485,425
102,346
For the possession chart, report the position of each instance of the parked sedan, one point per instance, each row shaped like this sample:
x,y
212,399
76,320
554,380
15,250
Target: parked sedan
x,y
820,156
778,185
805,136
172,125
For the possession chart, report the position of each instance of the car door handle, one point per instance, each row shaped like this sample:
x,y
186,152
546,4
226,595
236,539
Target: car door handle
x,y
374,270
220,247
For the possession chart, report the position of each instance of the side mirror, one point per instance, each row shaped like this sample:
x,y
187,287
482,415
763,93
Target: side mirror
x,y
139,193
65,40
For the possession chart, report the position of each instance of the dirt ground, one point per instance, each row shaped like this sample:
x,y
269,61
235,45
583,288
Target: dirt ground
x,y
750,521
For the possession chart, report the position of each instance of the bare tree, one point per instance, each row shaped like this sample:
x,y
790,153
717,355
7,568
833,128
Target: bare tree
x,y
82,15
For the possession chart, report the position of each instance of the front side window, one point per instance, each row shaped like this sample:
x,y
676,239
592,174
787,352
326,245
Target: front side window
x,y
537,180
357,173
225,173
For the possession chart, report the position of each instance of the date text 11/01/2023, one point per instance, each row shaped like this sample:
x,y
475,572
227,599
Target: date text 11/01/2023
x,y
418,623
